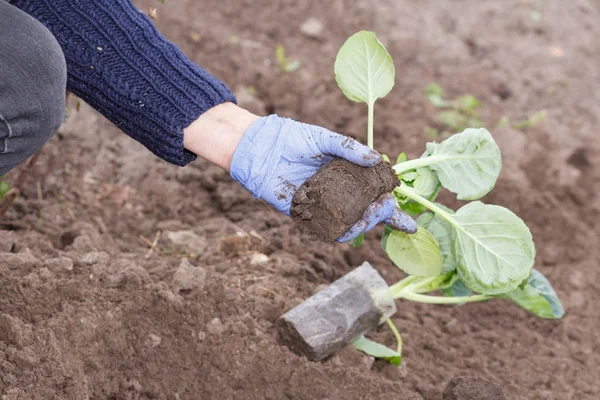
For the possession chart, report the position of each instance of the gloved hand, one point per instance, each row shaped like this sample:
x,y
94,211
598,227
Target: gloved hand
x,y
276,155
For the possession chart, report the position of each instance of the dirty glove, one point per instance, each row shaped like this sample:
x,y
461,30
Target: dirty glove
x,y
276,155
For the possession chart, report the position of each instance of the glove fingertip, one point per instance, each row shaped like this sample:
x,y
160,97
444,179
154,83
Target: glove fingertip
x,y
401,221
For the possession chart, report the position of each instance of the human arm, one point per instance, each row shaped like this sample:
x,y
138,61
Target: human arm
x,y
123,67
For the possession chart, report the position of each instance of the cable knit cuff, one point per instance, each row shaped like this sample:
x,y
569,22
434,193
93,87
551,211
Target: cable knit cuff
x,y
123,67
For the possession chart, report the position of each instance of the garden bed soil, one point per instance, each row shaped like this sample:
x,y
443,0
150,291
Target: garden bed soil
x,y
87,311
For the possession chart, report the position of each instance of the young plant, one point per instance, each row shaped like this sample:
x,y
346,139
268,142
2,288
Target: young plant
x,y
285,64
454,115
477,253
4,188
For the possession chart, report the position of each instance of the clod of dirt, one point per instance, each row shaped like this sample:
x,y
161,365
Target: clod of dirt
x,y
188,278
472,388
336,197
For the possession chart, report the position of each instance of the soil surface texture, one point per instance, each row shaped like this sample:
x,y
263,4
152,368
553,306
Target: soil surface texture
x,y
336,197
90,309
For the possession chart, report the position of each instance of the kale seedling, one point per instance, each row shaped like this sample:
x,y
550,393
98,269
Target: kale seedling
x,y
477,253
454,115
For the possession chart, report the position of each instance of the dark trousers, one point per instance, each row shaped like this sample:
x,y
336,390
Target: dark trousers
x,y
33,79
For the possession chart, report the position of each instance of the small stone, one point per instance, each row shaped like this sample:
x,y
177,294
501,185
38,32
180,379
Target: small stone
x,y
215,327
95,257
45,274
472,388
188,240
154,340
312,27
13,331
15,394
19,260
7,241
259,258
578,279
188,278
59,264
201,336
24,358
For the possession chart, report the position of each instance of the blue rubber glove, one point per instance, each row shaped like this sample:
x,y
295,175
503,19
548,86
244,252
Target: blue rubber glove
x,y
276,155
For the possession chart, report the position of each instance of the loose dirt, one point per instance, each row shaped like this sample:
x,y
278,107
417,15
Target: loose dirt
x,y
87,311
336,197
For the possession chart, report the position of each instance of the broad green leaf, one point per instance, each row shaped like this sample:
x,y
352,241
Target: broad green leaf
x,y
443,233
457,289
409,177
377,350
426,182
439,282
537,297
493,247
357,241
412,208
467,163
364,69
416,254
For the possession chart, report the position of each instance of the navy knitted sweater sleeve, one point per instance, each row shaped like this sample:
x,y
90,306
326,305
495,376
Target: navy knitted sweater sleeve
x,y
124,68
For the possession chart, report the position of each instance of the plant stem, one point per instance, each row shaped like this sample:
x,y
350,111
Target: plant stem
x,y
400,285
371,106
411,194
423,162
397,334
424,298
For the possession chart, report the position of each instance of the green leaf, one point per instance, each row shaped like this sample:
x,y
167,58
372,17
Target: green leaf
x,y
537,297
467,102
412,208
401,158
385,158
291,65
426,182
444,233
452,119
457,289
280,54
377,350
467,163
416,254
364,69
439,282
4,188
357,241
435,94
493,247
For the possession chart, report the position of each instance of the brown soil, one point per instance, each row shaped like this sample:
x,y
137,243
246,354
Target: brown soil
x,y
472,388
85,313
336,197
